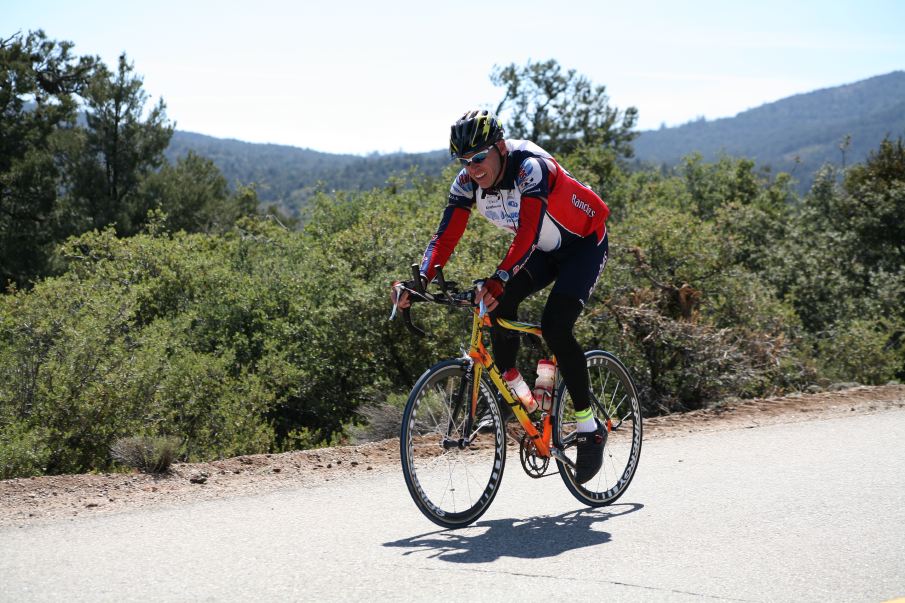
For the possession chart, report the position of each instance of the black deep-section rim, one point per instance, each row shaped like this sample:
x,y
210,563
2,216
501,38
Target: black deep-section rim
x,y
621,399
493,428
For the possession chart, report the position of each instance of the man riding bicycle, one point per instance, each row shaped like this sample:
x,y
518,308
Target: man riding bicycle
x,y
560,237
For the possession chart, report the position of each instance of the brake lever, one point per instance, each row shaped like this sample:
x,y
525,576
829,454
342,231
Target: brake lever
x,y
440,280
398,288
416,277
407,319
406,312
482,308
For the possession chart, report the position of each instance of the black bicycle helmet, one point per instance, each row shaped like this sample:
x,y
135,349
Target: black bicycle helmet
x,y
475,131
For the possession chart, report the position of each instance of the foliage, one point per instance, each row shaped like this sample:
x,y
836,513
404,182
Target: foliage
x,y
847,244
257,338
61,176
861,350
194,196
23,450
561,110
118,148
122,345
872,204
694,324
42,72
843,268
217,325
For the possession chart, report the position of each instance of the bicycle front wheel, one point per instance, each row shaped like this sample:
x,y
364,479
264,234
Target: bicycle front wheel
x,y
614,401
453,464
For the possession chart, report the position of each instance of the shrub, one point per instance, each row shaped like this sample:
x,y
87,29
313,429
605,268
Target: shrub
x,y
861,350
147,454
263,339
23,451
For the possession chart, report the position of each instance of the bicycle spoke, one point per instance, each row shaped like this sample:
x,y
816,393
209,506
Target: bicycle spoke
x,y
451,481
447,410
627,416
612,407
613,397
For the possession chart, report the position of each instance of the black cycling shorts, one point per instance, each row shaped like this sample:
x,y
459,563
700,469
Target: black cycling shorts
x,y
575,269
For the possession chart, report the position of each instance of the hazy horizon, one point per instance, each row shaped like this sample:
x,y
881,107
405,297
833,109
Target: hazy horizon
x,y
353,77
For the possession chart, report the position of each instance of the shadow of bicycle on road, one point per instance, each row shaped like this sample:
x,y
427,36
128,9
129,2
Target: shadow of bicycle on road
x,y
531,538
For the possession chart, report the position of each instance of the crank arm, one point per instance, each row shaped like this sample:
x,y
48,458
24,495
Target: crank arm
x,y
560,456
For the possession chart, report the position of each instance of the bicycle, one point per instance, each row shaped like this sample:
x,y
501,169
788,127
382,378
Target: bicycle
x,y
453,436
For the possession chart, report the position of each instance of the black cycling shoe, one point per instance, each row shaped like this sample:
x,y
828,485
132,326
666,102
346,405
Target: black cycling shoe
x,y
590,453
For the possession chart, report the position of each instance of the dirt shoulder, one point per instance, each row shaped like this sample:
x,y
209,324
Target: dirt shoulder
x,y
31,501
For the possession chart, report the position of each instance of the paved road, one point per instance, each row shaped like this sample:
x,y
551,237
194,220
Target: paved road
x,y
809,511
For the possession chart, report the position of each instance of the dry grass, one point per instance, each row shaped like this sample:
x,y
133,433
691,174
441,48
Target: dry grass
x,y
147,454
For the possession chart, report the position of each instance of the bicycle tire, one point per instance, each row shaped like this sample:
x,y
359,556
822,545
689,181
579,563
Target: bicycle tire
x,y
614,390
452,486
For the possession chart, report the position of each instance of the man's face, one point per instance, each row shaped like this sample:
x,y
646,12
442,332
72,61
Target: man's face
x,y
486,172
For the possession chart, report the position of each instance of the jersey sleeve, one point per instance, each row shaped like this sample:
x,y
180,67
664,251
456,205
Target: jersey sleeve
x,y
452,225
530,218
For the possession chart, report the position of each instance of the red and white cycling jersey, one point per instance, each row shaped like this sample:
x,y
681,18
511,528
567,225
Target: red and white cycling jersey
x,y
535,198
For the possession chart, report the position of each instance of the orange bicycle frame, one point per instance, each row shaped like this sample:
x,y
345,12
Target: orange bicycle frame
x,y
484,361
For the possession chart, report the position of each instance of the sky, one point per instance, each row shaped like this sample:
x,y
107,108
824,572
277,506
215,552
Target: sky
x,y
362,76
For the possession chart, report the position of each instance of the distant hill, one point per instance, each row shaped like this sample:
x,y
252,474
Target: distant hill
x,y
290,175
797,134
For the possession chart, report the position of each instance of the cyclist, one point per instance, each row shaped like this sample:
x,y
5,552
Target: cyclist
x,y
560,237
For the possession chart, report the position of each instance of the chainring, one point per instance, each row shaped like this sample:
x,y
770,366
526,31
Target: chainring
x,y
533,464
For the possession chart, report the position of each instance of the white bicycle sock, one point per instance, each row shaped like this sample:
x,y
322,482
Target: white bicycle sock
x,y
586,425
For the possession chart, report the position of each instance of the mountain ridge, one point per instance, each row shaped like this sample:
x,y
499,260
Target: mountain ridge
x,y
796,134
287,175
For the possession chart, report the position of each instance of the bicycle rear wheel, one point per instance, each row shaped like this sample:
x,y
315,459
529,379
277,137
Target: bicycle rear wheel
x,y
452,469
614,400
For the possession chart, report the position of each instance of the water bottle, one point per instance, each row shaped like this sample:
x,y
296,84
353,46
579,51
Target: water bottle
x,y
543,387
518,385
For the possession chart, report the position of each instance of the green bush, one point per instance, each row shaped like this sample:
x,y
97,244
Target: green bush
x,y
862,351
23,451
675,304
264,339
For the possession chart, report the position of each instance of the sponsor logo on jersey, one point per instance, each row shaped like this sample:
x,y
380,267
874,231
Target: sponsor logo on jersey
x,y
462,186
583,206
528,175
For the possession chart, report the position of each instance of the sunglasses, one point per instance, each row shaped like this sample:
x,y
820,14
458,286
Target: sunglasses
x,y
476,158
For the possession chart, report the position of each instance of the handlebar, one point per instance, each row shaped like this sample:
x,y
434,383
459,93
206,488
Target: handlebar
x,y
449,295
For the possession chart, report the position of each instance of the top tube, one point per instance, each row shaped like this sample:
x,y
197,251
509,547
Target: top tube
x,y
522,327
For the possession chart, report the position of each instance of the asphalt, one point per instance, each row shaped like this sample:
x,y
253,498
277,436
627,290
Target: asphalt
x,y
810,511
